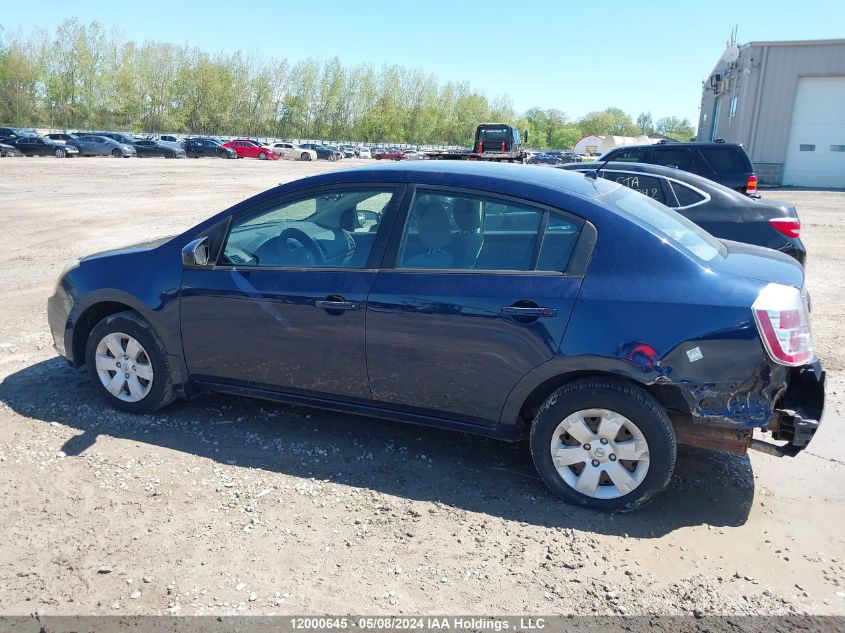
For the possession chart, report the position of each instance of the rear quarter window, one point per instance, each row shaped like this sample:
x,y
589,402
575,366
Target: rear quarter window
x,y
726,160
686,195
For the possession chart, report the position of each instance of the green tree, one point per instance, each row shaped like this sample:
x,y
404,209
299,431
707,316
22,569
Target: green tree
x,y
645,123
672,126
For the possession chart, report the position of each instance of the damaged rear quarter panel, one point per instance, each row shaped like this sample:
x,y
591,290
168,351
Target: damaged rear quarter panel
x,y
691,332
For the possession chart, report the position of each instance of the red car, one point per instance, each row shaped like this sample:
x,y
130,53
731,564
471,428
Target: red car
x,y
389,154
251,149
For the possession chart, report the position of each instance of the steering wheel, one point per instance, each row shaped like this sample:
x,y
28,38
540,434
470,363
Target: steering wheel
x,y
297,248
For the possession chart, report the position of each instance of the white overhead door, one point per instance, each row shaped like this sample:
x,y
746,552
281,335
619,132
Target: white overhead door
x,y
815,156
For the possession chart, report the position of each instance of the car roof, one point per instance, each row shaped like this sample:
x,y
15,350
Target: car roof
x,y
680,144
505,179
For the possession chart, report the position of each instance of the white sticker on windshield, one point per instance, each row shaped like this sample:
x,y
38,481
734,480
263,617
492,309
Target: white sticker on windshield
x,y
694,354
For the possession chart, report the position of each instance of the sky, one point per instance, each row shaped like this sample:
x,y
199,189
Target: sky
x,y
576,56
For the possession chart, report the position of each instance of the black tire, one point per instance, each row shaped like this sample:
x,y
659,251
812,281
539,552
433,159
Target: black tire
x,y
117,153
169,155
305,156
60,153
129,322
632,402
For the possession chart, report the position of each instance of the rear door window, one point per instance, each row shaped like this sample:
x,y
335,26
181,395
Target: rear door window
x,y
629,155
648,185
678,158
725,160
464,231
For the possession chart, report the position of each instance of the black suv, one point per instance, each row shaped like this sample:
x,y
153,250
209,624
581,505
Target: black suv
x,y
725,163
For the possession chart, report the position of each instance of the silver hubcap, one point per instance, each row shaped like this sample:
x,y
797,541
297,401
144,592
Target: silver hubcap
x,y
600,453
124,367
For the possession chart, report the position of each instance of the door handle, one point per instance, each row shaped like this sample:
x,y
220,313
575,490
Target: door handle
x,y
328,304
533,312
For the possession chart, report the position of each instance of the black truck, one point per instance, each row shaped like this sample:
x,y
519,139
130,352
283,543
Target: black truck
x,y
498,142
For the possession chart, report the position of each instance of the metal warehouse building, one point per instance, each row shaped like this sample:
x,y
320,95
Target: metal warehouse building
x,y
785,102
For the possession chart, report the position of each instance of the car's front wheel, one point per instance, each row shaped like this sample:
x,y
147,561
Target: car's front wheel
x,y
603,444
262,156
305,156
60,153
117,153
127,363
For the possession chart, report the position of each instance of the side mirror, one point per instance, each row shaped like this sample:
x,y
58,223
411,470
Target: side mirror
x,y
367,217
195,253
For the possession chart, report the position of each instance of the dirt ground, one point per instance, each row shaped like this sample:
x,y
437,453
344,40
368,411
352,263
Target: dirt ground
x,y
224,505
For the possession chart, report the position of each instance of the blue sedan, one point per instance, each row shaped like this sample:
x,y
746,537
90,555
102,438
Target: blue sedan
x,y
495,299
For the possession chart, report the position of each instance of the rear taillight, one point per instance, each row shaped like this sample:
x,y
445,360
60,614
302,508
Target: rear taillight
x,y
751,184
791,227
784,324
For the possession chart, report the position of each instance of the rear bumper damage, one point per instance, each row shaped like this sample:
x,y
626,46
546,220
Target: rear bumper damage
x,y
795,416
798,413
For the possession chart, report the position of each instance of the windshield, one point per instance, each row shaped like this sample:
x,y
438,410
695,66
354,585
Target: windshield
x,y
665,222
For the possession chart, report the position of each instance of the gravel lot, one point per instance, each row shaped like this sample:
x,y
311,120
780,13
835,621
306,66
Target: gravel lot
x,y
224,505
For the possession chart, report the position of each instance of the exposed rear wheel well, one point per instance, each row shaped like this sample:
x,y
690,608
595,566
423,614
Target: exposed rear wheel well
x,y
86,322
668,396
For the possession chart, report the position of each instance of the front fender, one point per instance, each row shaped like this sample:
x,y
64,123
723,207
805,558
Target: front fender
x,y
145,281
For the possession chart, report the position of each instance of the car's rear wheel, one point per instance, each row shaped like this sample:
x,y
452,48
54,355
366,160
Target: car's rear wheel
x,y
60,153
127,363
603,444
305,156
116,153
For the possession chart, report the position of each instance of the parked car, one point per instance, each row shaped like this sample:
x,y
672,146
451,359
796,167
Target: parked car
x,y
9,151
38,146
488,298
61,137
120,137
364,152
9,135
389,154
323,152
412,154
169,138
723,212
151,147
725,163
349,151
293,152
540,158
251,149
207,147
96,145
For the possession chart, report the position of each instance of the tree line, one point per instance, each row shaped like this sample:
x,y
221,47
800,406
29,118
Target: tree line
x,y
87,76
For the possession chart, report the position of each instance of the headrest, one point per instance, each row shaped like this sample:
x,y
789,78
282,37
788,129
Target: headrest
x,y
433,224
466,215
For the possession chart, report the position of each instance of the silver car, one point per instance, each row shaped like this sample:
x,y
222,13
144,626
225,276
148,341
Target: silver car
x,y
95,145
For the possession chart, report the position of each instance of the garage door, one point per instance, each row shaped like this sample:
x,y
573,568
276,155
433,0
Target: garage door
x,y
815,156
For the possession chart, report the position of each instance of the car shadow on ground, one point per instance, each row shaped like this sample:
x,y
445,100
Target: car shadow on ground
x,y
416,463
